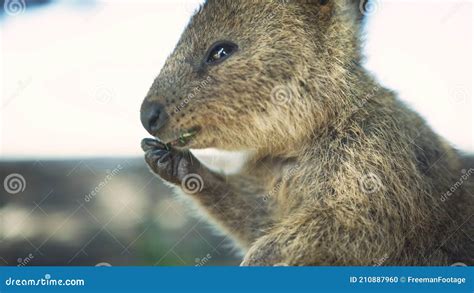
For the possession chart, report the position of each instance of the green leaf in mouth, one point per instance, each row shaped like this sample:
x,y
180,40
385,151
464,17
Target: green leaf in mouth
x,y
182,139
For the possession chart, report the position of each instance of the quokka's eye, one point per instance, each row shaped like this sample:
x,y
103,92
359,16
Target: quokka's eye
x,y
220,51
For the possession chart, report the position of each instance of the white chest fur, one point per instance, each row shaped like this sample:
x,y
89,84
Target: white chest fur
x,y
227,162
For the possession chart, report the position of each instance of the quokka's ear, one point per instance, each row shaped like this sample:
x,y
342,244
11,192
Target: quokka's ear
x,y
361,8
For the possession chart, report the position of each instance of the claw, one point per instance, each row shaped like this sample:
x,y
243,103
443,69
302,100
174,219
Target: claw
x,y
170,164
159,153
165,157
150,143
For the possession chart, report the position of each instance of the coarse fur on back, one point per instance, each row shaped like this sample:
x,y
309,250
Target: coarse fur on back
x,y
341,171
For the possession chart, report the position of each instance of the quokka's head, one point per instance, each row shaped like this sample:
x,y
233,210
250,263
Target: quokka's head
x,y
254,74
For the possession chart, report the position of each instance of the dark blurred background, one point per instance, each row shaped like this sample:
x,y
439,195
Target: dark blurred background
x,y
50,215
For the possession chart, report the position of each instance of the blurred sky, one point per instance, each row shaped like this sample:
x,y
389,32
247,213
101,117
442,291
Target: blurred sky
x,y
74,73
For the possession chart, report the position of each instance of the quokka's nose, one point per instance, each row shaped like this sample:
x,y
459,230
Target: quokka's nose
x,y
153,116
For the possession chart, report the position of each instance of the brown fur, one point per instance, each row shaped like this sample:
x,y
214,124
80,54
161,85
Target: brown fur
x,y
342,173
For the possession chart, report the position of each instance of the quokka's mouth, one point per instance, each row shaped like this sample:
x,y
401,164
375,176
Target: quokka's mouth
x,y
182,138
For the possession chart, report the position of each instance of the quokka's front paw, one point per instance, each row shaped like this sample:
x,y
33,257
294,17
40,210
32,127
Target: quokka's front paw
x,y
172,165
